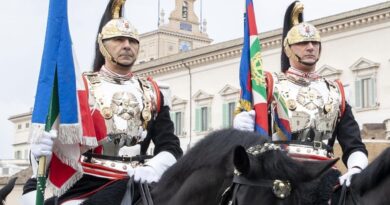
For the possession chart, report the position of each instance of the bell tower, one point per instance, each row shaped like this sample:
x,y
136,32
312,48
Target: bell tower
x,y
184,17
182,33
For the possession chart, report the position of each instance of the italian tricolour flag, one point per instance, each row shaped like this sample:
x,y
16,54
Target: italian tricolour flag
x,y
61,102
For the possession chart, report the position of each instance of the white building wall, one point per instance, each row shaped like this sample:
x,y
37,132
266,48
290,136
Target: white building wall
x,y
342,50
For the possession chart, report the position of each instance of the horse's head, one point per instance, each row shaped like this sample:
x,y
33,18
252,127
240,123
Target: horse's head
x,y
264,174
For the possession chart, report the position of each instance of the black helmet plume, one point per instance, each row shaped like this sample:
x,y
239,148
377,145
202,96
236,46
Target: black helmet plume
x,y
287,25
107,16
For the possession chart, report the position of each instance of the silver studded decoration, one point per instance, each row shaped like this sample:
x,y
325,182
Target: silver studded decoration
x,y
259,149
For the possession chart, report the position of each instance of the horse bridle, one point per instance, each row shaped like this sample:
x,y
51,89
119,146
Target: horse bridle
x,y
281,189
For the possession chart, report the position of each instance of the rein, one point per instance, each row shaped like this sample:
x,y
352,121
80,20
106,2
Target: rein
x,y
344,194
281,189
144,190
146,197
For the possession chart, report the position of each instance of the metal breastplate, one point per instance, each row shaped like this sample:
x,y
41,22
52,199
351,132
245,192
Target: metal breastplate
x,y
125,106
313,106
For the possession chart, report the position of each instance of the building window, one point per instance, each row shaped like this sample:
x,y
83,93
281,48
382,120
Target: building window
x,y
19,126
365,72
203,119
228,114
27,125
18,155
203,112
5,171
365,92
184,10
178,121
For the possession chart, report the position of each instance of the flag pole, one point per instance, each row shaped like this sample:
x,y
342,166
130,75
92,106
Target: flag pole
x,y
51,117
41,181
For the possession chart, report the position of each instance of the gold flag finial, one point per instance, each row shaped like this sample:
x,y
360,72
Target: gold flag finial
x,y
298,9
116,7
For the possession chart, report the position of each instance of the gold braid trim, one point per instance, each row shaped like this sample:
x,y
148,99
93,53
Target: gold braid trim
x,y
243,105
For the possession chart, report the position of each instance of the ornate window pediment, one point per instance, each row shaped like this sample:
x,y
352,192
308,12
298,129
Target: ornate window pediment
x,y
364,67
178,104
176,101
229,91
202,96
330,72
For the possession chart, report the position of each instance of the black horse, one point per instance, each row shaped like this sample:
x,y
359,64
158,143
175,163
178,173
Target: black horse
x,y
206,172
6,190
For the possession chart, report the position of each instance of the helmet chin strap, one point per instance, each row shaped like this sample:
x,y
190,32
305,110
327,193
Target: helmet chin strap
x,y
305,63
294,56
107,55
113,60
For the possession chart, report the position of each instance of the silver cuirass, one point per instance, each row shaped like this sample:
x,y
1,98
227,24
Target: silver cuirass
x,y
313,106
125,105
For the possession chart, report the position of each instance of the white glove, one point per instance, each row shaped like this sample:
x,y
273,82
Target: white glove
x,y
143,174
245,121
357,161
153,169
45,145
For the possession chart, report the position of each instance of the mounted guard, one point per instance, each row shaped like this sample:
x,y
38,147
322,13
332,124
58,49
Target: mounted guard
x,y
128,113
308,112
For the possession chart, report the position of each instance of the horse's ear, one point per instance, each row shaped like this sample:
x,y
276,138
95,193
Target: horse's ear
x,y
313,169
241,160
7,189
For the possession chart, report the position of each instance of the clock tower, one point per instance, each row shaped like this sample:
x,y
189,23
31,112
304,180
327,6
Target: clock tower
x,y
182,33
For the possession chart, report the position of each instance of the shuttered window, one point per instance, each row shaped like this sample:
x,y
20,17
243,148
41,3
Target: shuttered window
x,y
365,93
178,121
202,119
228,114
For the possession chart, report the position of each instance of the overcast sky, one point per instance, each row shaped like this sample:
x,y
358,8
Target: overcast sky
x,y
23,24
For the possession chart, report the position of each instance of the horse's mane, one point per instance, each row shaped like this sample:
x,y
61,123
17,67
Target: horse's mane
x,y
213,151
7,189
